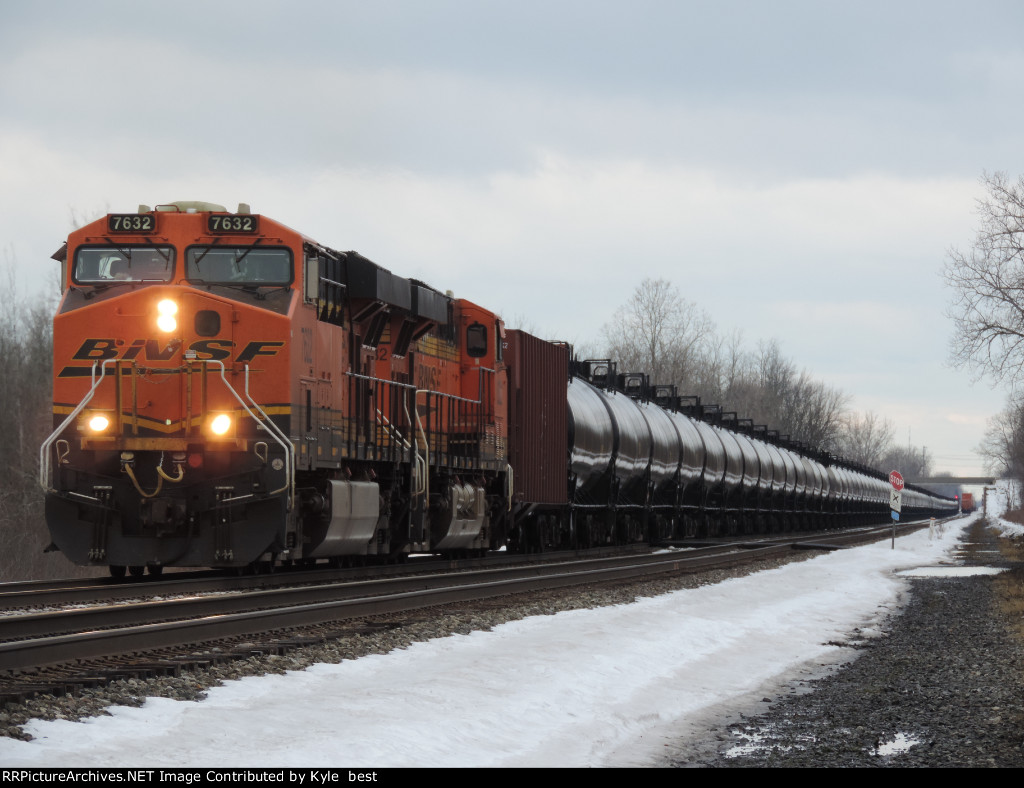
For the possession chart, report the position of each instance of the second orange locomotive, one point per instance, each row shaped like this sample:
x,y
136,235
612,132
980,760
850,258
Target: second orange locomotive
x,y
228,391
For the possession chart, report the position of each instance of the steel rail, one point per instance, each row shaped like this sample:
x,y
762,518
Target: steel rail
x,y
99,590
59,622
38,593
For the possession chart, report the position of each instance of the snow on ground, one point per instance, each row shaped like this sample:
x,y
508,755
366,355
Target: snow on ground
x,y
579,688
1006,492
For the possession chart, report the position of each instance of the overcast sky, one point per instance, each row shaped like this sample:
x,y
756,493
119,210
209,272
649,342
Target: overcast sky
x,y
798,169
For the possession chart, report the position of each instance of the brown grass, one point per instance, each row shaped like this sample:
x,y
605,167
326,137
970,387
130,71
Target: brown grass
x,y
1009,586
1016,516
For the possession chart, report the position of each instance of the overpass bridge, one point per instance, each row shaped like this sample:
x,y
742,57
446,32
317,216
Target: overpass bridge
x,y
986,481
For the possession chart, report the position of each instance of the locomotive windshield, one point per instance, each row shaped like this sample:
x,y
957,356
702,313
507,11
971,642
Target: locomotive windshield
x,y
113,264
234,265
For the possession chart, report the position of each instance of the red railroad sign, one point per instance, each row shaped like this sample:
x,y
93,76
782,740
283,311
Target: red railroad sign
x,y
896,480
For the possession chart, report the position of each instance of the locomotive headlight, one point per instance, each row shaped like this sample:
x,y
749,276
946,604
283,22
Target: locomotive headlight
x,y
166,320
220,424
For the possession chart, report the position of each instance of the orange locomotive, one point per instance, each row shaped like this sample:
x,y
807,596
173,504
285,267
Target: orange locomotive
x,y
228,391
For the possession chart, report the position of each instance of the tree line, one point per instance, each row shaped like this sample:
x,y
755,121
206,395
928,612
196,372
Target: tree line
x,y
987,281
671,339
26,369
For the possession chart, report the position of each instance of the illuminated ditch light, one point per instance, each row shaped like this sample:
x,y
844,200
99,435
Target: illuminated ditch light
x,y
166,321
221,424
98,423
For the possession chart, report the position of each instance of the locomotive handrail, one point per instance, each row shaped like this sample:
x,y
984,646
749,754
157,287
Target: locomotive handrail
x,y
380,380
422,431
426,444
421,485
275,431
417,485
418,480
44,451
391,429
417,473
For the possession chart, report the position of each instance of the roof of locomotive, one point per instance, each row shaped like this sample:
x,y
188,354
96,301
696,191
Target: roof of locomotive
x,y
430,300
98,227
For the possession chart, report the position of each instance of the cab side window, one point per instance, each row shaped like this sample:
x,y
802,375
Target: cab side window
x,y
476,340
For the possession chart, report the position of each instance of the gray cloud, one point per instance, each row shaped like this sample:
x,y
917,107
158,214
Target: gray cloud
x,y
798,168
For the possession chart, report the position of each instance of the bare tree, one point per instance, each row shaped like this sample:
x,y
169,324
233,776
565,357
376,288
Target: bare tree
x,y
26,363
726,374
735,362
815,411
671,339
1002,446
770,390
996,447
908,460
865,438
988,280
659,332
771,377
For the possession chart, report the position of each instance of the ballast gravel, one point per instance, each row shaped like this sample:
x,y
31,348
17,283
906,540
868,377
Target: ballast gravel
x,y
942,687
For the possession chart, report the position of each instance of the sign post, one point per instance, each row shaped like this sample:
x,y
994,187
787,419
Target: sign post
x,y
895,501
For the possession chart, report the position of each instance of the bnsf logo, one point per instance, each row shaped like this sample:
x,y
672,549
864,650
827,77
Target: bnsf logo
x,y
150,349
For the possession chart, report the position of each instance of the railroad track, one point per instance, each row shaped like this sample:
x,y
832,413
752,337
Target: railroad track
x,y
62,593
88,645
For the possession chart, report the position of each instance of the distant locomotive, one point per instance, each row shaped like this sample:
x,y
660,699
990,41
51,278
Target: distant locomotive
x,y
229,393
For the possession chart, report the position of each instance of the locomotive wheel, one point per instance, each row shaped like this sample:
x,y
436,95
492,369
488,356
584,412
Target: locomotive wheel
x,y
117,572
137,571
156,571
